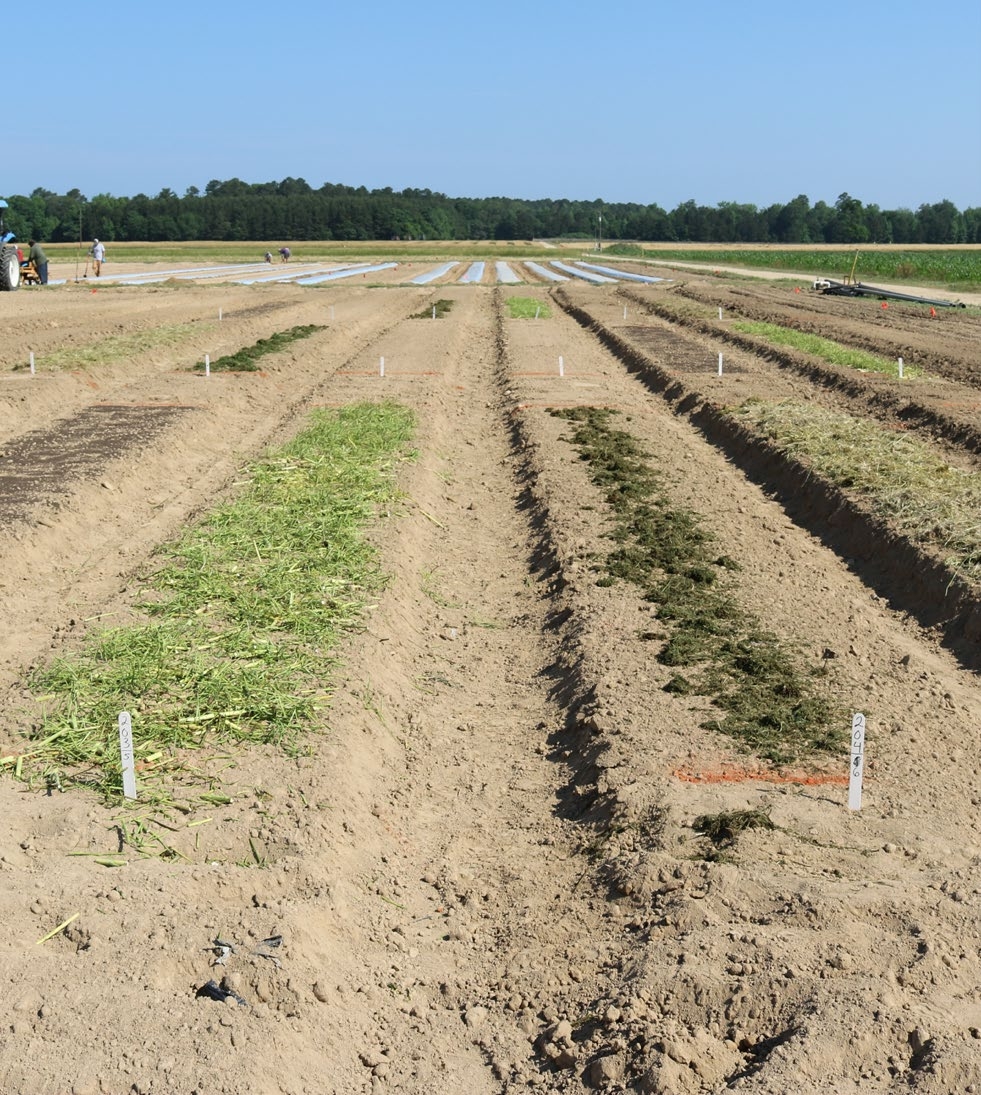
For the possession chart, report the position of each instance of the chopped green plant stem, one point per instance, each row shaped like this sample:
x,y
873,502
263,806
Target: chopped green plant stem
x,y
826,349
527,308
901,478
245,360
766,700
242,616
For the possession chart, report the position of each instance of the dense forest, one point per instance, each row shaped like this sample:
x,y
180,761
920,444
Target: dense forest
x,y
293,210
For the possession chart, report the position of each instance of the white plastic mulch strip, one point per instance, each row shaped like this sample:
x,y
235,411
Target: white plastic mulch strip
x,y
150,277
347,272
474,272
595,279
432,275
647,278
294,274
544,272
223,272
505,274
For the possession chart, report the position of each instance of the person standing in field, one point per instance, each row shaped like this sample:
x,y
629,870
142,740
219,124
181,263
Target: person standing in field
x,y
285,252
40,260
98,256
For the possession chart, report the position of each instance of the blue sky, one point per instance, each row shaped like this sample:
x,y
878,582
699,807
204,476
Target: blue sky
x,y
631,100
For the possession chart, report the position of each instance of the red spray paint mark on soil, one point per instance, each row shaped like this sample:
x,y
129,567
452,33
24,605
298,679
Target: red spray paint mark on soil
x,y
738,774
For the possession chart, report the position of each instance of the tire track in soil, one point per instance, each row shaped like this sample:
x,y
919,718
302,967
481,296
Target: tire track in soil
x,y
760,973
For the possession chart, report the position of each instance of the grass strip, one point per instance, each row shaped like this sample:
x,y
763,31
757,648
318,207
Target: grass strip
x,y
242,619
769,703
901,478
826,349
116,348
245,360
527,308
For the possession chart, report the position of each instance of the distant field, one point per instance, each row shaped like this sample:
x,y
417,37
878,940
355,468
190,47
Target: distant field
x,y
309,250
956,267
951,267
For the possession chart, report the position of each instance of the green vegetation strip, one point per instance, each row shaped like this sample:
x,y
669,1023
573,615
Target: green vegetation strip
x,y
769,703
244,360
527,308
901,478
117,348
826,349
241,619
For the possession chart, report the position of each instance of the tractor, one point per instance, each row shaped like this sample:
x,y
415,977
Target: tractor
x,y
9,259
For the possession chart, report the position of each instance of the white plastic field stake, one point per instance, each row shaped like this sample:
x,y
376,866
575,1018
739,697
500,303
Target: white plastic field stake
x,y
900,368
537,310
207,365
561,367
720,313
32,363
126,754
625,311
720,364
857,766
381,367
434,311
219,315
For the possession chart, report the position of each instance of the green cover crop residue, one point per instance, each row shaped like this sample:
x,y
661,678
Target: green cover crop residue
x,y
767,701
833,352
241,620
244,360
901,478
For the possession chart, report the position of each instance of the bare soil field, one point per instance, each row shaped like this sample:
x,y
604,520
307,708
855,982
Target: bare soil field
x,y
488,868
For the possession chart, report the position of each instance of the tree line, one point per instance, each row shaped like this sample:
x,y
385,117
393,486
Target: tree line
x,y
293,210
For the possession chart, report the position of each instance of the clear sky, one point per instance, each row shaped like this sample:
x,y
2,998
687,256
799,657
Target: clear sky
x,y
630,100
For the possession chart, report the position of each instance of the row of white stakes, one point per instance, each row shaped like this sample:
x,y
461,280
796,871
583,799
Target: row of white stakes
x,y
381,369
856,765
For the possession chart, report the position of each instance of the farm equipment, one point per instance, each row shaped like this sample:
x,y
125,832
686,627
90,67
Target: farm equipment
x,y
852,288
9,259
860,289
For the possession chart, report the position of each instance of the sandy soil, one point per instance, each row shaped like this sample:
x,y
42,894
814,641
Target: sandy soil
x,y
484,871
